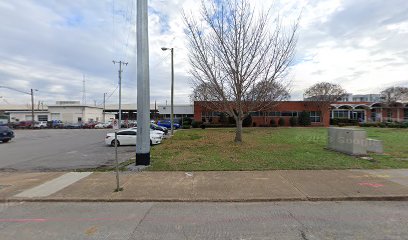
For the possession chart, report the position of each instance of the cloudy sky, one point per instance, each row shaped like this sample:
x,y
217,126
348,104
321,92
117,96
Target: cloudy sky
x,y
52,45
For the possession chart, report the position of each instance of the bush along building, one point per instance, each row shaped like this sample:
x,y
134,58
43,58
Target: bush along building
x,y
307,113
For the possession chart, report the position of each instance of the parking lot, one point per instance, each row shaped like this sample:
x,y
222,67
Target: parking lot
x,y
59,150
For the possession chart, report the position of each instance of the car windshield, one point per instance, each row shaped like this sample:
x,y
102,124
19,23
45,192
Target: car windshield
x,y
2,128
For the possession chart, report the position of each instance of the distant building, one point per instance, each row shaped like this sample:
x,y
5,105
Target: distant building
x,y
361,98
180,111
73,112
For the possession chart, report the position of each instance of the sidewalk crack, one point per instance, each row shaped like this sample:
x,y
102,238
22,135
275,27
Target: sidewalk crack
x,y
140,222
293,185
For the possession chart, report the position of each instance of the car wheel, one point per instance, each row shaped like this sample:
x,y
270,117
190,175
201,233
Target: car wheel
x,y
151,143
6,140
113,143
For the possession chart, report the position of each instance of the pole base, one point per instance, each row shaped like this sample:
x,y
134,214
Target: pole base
x,y
143,159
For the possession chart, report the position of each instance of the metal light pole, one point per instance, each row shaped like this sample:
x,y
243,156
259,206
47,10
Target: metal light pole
x,y
172,88
143,88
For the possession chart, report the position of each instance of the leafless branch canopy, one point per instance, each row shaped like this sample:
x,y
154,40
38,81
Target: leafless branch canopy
x,y
325,92
394,94
237,59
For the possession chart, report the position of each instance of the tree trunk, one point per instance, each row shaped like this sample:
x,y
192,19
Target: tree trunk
x,y
238,132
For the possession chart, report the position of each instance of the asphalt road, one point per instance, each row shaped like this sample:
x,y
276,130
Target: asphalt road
x,y
59,149
176,221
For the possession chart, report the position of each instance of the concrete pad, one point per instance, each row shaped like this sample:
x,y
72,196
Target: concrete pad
x,y
399,176
53,185
315,183
99,185
160,186
372,186
14,183
246,185
343,184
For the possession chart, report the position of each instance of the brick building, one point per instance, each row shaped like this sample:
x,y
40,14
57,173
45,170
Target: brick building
x,y
360,111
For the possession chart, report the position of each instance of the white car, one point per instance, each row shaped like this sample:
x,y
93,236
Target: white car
x,y
128,137
102,125
152,131
40,124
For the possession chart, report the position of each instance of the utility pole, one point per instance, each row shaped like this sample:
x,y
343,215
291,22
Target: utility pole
x,y
120,89
83,90
143,88
172,88
104,107
32,108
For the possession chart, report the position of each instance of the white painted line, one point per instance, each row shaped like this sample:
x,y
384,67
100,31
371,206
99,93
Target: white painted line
x,y
54,185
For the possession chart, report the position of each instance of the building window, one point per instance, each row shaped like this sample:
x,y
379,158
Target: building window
x,y
43,118
289,114
340,114
274,114
389,115
255,114
315,116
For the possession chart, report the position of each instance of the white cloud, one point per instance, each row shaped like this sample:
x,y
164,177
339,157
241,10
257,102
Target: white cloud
x,y
49,45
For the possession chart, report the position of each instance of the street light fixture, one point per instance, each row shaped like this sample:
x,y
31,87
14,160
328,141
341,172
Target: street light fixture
x,y
172,87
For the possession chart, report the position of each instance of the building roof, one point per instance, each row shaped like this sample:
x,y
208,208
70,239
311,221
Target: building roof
x,y
20,107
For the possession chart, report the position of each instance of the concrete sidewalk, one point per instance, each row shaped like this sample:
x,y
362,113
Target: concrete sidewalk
x,y
227,186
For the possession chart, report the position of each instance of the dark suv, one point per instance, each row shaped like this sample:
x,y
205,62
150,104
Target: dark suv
x,y
6,134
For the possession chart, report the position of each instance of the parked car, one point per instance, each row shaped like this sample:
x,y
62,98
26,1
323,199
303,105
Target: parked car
x,y
23,124
73,126
128,137
55,124
40,125
158,132
160,128
167,124
6,134
89,125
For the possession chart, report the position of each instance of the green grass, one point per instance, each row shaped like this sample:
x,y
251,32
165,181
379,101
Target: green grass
x,y
271,148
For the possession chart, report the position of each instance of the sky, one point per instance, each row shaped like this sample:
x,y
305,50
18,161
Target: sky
x,y
53,45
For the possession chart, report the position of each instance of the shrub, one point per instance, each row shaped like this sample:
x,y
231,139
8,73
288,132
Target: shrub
x,y
344,122
273,123
247,122
293,121
195,124
304,119
281,122
186,126
219,125
223,118
187,121
202,126
231,120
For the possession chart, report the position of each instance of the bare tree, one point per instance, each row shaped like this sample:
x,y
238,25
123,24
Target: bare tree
x,y
321,95
239,59
393,95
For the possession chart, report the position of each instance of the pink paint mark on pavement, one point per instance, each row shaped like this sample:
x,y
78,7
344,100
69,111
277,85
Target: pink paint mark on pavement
x,y
375,185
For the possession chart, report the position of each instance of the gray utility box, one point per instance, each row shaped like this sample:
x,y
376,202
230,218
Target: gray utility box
x,y
375,146
348,140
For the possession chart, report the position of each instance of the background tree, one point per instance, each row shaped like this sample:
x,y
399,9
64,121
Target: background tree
x,y
323,94
393,95
239,58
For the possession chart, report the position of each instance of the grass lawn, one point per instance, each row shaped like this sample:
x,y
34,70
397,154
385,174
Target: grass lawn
x,y
271,148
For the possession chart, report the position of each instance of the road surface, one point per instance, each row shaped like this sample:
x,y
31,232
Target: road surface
x,y
59,149
175,221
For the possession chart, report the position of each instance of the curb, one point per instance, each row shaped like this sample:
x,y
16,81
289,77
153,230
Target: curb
x,y
309,199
